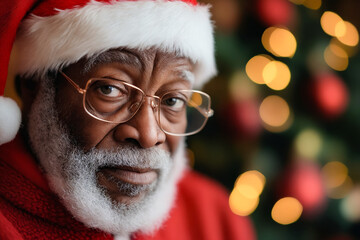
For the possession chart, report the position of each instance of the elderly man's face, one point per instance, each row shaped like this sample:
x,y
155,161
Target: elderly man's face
x,y
116,177
155,73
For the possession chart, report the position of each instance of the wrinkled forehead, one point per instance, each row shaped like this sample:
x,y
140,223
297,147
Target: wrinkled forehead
x,y
139,59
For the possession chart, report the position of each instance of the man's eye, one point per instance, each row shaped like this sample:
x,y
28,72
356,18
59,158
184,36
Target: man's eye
x,y
109,91
174,103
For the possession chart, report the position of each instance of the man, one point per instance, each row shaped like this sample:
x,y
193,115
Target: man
x,y
108,99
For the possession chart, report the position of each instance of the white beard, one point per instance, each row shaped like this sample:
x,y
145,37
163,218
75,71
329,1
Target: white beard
x,y
72,174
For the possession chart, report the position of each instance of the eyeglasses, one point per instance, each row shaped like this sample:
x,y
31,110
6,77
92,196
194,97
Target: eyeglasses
x,y
178,112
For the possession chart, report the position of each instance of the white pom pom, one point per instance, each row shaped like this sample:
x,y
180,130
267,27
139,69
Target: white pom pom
x,y
10,119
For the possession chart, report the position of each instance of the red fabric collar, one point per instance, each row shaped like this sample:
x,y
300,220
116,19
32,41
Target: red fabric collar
x,y
18,157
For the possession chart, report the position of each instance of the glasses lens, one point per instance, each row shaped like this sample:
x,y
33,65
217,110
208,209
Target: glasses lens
x,y
184,112
112,100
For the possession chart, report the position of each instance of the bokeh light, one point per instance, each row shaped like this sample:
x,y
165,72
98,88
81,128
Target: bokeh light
x,y
312,4
303,181
286,210
308,143
240,88
337,182
335,174
336,57
253,180
350,206
275,113
244,198
350,50
329,21
299,2
276,75
330,94
255,67
279,41
341,191
350,35
242,205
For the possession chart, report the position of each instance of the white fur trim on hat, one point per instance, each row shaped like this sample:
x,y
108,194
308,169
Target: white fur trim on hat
x,y
49,43
10,119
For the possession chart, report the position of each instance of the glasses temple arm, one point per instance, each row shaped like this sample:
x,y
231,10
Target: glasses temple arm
x,y
207,114
79,89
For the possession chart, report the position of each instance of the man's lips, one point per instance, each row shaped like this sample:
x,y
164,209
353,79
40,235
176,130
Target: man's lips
x,y
136,176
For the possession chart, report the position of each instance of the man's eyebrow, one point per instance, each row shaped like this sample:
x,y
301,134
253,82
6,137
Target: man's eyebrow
x,y
187,75
122,56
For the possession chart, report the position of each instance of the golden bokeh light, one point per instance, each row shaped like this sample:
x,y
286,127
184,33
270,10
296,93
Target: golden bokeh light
x,y
338,50
279,41
255,67
274,111
334,173
286,211
341,191
276,75
242,205
350,50
309,144
265,38
329,21
250,183
350,35
312,4
282,42
244,198
240,87
298,2
340,29
336,57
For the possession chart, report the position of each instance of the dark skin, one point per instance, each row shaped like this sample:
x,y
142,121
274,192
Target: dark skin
x,y
156,74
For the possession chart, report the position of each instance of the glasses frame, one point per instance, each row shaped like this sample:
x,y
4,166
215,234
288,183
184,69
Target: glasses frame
x,y
207,113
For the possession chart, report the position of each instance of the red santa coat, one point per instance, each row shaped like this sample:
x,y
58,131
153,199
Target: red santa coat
x,y
29,210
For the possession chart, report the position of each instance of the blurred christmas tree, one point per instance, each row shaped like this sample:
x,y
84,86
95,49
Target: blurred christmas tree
x,y
287,114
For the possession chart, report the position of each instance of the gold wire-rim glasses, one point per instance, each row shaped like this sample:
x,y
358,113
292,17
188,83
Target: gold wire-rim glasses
x,y
155,106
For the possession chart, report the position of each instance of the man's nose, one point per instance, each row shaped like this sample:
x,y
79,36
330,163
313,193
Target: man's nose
x,y
142,128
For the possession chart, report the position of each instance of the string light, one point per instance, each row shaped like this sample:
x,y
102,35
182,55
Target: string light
x,y
242,205
255,67
286,210
341,191
253,180
329,21
350,50
337,182
312,4
244,198
334,173
308,144
274,112
336,58
276,75
279,41
350,34
241,88
350,206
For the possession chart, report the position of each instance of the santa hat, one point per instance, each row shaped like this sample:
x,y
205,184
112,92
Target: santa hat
x,y
52,34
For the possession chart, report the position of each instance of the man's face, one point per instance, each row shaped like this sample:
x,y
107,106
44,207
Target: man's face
x,y
129,166
155,73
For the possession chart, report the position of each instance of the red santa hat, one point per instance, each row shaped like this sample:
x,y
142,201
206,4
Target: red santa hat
x,y
52,34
